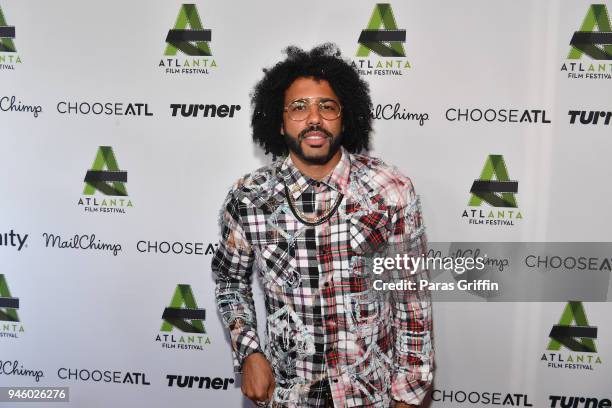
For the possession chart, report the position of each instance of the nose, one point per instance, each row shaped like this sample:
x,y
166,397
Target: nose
x,y
314,116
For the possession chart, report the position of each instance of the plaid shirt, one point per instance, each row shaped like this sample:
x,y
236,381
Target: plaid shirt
x,y
324,319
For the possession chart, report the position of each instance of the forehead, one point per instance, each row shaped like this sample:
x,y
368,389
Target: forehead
x,y
309,87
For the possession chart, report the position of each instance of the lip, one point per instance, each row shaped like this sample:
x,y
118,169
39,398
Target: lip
x,y
315,139
315,134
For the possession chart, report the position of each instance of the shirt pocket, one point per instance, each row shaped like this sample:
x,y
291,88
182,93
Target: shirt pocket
x,y
368,232
279,267
364,311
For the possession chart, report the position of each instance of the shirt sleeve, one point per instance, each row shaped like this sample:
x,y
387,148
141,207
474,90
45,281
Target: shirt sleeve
x,y
412,373
232,265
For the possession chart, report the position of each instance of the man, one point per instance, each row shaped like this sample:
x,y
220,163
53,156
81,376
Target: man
x,y
309,225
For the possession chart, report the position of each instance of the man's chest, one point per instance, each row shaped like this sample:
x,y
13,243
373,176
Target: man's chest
x,y
289,251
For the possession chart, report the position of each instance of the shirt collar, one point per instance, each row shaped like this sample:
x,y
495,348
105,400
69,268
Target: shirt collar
x,y
338,179
297,182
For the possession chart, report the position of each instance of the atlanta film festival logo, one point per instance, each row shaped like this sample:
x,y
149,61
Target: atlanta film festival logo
x,y
8,52
184,315
188,49
10,325
107,179
383,39
572,341
590,54
495,188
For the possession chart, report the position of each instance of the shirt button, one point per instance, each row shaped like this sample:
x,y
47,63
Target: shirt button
x,y
326,284
335,380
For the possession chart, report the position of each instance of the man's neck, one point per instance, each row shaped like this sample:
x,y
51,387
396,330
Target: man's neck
x,y
316,171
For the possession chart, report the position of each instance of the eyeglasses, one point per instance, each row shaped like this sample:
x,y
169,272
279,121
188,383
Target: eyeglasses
x,y
299,109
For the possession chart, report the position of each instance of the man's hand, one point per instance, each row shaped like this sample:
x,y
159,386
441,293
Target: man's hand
x,y
257,378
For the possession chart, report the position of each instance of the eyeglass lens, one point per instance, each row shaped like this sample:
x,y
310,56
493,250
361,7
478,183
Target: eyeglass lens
x,y
300,109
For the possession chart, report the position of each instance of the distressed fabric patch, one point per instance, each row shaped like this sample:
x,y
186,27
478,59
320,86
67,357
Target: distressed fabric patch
x,y
368,232
280,266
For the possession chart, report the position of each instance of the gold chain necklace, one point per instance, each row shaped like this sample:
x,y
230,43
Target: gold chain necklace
x,y
309,220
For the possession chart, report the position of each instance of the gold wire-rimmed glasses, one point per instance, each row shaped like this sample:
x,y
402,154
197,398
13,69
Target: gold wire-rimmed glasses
x,y
299,109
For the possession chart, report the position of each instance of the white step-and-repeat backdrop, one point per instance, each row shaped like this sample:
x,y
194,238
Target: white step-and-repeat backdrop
x,y
97,91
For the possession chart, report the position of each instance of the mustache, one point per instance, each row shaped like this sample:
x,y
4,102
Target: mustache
x,y
314,128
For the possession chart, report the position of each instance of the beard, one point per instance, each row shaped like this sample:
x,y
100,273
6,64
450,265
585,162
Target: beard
x,y
294,144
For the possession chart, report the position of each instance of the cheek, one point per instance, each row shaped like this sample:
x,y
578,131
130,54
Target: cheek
x,y
291,128
335,127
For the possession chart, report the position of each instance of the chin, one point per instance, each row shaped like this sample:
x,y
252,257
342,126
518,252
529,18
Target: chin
x,y
317,159
318,155
313,152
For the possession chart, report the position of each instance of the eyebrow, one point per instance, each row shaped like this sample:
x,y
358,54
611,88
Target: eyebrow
x,y
322,99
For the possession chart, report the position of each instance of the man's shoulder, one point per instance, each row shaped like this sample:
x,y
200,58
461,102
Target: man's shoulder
x,y
384,179
256,183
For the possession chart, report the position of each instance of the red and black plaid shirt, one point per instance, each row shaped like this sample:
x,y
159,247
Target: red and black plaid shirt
x,y
325,322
